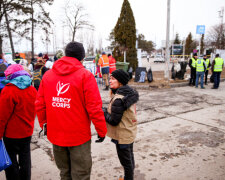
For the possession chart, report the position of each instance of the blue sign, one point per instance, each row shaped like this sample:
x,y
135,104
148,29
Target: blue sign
x,y
200,29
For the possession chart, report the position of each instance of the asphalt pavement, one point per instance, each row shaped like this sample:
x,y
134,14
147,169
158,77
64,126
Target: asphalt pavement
x,y
180,137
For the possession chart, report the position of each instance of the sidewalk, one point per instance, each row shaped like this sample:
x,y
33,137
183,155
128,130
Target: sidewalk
x,y
180,137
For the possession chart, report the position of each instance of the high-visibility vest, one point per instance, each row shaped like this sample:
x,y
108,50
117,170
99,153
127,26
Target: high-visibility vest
x,y
17,60
199,65
193,64
207,63
103,61
112,64
218,66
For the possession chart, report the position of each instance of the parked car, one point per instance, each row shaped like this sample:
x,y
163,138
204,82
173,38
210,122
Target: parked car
x,y
159,59
89,58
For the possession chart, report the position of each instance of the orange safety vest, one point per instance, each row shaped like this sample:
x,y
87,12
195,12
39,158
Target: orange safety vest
x,y
112,64
103,61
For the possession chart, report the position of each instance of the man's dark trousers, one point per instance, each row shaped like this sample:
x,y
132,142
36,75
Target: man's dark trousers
x,y
193,76
74,162
21,168
216,79
206,76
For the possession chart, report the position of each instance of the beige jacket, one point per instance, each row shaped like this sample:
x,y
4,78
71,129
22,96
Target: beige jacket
x,y
125,132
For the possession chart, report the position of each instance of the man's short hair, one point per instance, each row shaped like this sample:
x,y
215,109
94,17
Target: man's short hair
x,y
76,50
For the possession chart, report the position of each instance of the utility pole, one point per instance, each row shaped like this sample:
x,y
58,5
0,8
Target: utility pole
x,y
221,13
199,52
167,60
184,44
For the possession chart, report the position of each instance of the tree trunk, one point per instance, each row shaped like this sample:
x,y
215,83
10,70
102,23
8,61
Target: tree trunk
x,y
74,33
9,33
32,30
1,45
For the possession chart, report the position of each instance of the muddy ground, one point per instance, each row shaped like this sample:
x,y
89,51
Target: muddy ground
x,y
180,137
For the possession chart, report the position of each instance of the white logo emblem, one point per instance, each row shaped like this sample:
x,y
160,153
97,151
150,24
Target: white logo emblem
x,y
62,88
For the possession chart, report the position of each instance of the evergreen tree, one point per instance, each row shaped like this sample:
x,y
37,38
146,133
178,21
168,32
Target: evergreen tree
x,y
125,36
145,45
202,44
112,40
177,39
188,44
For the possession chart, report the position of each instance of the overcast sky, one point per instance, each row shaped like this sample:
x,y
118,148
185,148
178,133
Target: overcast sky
x,y
150,17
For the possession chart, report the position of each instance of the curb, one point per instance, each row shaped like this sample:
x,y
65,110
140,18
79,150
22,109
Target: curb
x,y
172,85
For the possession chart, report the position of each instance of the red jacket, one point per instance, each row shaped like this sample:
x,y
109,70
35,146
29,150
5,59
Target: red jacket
x,y
17,111
112,64
68,100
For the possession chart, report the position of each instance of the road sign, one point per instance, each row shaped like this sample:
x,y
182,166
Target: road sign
x,y
200,29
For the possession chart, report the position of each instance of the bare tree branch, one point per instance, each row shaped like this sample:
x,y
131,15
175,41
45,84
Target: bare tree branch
x,y
76,18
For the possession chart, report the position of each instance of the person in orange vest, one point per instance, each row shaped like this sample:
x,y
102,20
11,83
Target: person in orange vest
x,y
104,63
112,64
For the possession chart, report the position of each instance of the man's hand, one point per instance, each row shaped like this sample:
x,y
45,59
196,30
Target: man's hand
x,y
100,139
104,109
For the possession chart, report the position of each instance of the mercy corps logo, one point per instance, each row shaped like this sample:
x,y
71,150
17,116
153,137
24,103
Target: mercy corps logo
x,y
58,101
62,88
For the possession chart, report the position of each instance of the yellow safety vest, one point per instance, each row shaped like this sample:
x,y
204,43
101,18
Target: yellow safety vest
x,y
218,66
199,65
207,63
17,59
193,64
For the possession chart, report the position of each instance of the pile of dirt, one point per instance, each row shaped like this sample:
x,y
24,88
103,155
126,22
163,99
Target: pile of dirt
x,y
156,84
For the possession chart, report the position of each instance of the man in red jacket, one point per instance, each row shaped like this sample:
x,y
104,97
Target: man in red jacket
x,y
68,101
112,64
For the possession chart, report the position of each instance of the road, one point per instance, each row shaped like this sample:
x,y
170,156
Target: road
x,y
180,137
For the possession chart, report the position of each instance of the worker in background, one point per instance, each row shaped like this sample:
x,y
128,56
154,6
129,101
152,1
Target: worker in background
x,y
148,58
217,68
208,64
112,64
104,63
40,58
17,58
192,65
200,71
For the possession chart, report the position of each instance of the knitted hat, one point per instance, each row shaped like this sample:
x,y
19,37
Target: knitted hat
x,y
121,76
13,68
40,55
76,50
